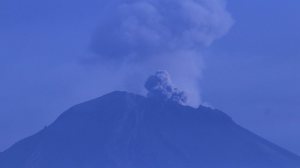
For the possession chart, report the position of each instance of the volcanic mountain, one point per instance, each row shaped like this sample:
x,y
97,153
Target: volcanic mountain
x,y
124,130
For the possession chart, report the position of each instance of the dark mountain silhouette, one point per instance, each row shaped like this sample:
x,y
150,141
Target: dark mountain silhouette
x,y
123,130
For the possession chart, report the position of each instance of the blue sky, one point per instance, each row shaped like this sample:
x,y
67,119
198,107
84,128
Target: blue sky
x,y
251,73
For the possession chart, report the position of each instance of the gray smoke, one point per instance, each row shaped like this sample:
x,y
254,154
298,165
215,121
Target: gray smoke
x,y
138,37
160,86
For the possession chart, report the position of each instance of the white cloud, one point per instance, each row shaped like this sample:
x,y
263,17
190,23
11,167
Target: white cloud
x,y
160,34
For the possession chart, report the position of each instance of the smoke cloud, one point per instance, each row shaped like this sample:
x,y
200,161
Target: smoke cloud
x,y
138,37
160,86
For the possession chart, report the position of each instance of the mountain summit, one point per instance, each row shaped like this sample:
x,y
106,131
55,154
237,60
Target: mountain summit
x,y
124,130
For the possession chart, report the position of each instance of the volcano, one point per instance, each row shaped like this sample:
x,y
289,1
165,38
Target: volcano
x,y
124,130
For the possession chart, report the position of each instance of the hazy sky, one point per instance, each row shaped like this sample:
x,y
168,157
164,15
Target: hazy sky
x,y
251,73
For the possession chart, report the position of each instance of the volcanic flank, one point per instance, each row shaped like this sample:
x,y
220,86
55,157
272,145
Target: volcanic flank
x,y
124,130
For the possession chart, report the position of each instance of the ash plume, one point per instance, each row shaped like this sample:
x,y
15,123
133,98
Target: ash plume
x,y
138,37
160,86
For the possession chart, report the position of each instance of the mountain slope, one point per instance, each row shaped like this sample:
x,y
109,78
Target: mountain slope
x,y
123,130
